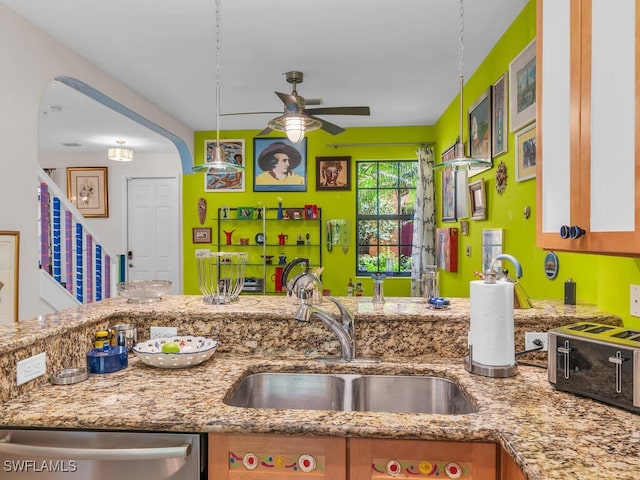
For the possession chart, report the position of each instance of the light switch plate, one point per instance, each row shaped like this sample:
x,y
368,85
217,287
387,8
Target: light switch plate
x,y
634,300
158,332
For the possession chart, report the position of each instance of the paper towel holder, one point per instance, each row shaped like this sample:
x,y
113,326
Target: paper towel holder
x,y
500,371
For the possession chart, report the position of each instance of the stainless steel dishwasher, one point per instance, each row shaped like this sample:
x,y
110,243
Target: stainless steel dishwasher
x,y
62,454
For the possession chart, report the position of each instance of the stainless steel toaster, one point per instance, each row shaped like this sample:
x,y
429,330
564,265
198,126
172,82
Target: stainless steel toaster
x,y
597,361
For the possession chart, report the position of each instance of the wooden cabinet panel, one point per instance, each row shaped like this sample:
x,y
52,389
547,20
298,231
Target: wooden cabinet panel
x,y
264,457
588,154
379,459
509,470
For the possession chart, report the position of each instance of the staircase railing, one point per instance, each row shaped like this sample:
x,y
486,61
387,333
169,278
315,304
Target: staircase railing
x,y
69,252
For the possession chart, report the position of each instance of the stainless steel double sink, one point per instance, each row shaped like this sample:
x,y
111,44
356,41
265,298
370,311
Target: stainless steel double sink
x,y
351,392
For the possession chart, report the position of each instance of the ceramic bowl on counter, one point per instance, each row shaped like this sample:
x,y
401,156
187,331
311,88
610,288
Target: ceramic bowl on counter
x,y
144,291
192,351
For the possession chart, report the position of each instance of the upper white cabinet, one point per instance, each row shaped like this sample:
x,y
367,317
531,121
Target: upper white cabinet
x,y
588,151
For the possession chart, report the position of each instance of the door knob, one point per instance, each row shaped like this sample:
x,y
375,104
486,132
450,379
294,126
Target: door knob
x,y
130,265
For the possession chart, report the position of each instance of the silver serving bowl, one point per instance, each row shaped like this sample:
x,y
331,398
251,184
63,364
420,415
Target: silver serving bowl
x,y
144,291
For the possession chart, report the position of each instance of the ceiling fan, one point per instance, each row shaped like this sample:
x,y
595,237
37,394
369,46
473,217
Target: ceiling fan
x,y
297,119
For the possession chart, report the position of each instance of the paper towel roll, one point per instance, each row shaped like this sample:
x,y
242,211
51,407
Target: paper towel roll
x,y
491,328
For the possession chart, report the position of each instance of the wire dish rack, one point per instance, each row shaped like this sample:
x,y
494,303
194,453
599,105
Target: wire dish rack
x,y
221,275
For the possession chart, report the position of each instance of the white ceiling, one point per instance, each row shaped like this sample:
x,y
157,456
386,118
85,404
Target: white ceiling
x,y
399,57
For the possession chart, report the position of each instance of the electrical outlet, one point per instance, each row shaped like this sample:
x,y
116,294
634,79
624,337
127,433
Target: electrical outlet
x,y
634,300
158,332
530,337
31,368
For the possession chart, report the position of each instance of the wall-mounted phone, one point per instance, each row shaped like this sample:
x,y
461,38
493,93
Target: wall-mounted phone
x,y
338,234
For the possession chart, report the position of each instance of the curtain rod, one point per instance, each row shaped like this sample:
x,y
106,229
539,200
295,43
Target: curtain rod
x,y
383,144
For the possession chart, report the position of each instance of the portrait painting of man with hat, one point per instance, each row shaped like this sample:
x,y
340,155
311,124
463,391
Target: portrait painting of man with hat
x,y
279,165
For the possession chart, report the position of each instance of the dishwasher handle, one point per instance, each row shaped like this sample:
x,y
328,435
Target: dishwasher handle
x,y
71,453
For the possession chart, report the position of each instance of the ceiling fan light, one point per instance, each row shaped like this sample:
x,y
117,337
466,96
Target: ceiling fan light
x,y
294,127
120,154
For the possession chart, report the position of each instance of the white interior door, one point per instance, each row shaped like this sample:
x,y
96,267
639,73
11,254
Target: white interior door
x,y
153,230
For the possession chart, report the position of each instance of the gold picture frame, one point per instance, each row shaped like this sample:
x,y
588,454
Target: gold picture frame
x,y
478,200
526,153
9,275
87,190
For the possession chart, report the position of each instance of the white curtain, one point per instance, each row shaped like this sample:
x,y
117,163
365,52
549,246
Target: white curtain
x,y
424,220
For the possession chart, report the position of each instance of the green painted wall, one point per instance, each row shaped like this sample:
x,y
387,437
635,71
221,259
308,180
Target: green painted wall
x,y
601,280
338,266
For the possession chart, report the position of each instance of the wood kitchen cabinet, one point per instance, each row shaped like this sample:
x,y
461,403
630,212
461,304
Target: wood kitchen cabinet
x,y
587,148
509,470
256,457
264,457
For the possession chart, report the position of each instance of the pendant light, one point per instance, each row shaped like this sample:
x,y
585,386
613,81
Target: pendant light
x,y
460,157
218,164
120,154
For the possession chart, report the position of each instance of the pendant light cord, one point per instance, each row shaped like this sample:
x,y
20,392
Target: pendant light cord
x,y
460,66
218,77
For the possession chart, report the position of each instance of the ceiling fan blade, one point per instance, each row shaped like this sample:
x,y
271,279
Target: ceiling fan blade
x,y
339,111
248,113
329,127
266,131
290,101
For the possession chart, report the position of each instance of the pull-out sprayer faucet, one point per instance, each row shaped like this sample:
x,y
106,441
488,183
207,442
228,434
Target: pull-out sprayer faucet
x,y
344,330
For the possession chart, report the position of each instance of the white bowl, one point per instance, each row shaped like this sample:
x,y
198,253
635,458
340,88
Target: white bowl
x,y
193,351
144,291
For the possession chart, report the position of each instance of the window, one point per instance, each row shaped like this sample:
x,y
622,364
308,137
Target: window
x,y
385,195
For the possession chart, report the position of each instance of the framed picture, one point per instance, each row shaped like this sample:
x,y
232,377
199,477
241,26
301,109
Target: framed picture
x,y
201,235
279,165
499,116
449,153
245,213
526,153
522,88
232,152
9,276
333,173
310,212
491,247
448,195
87,189
447,249
294,214
464,227
480,131
477,200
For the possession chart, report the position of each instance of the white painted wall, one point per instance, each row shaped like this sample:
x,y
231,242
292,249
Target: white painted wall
x,y
109,230
30,59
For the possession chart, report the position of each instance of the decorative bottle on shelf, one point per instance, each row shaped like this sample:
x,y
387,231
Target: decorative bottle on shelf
x,y
358,289
280,215
350,288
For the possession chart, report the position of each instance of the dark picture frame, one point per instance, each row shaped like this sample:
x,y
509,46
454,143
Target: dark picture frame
x,y
88,190
480,127
499,95
266,170
448,195
449,153
232,152
333,173
201,234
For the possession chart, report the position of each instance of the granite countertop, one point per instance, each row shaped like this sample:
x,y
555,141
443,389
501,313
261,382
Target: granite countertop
x,y
550,434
